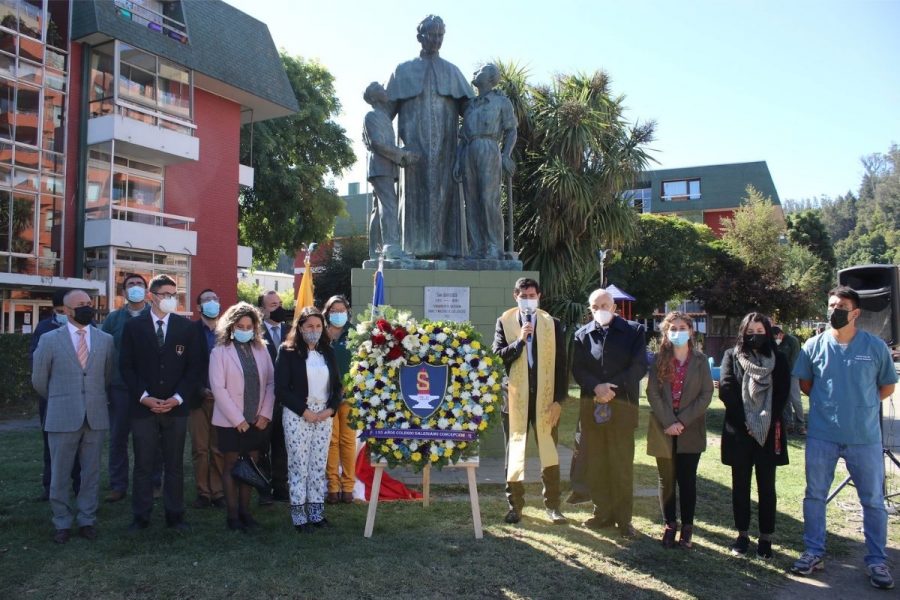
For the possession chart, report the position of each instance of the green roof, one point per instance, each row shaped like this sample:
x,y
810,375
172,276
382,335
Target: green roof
x,y
721,186
225,45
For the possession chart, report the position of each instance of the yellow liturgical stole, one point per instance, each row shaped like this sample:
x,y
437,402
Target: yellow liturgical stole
x,y
545,337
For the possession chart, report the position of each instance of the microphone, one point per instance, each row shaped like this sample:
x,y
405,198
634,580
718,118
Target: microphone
x,y
527,313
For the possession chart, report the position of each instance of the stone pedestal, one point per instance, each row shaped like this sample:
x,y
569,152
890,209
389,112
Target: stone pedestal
x,y
490,291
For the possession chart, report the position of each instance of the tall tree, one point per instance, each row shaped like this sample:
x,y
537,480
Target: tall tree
x,y
290,202
576,154
668,258
754,234
807,229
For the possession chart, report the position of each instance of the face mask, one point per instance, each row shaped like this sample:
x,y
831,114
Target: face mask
x,y
136,294
312,337
679,338
239,335
755,341
778,342
84,315
603,317
527,306
135,313
278,315
338,319
210,309
838,317
60,319
168,305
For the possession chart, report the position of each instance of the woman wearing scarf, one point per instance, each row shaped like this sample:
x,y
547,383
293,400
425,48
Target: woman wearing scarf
x,y
242,381
754,386
679,389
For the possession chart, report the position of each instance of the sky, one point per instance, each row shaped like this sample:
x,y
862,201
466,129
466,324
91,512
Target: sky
x,y
807,86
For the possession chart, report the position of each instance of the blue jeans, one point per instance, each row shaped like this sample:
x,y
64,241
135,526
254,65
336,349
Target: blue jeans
x,y
866,465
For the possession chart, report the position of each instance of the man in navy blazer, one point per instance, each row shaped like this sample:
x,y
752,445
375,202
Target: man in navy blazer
x,y
610,359
160,361
274,460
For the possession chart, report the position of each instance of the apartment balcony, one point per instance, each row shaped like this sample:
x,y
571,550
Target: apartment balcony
x,y
144,134
141,229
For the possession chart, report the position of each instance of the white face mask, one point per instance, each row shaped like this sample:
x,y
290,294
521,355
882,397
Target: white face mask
x,y
603,317
527,306
168,305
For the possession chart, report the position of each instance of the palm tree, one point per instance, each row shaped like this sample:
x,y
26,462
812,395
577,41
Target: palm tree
x,y
576,154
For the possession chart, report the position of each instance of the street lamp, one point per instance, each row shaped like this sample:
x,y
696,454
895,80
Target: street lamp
x,y
601,256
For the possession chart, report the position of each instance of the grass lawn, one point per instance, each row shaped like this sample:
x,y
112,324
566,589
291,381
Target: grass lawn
x,y
415,552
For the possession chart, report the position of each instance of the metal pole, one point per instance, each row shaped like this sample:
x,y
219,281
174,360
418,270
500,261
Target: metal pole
x,y
510,240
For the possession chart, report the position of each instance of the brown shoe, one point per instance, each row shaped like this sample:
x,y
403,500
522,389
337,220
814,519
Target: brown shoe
x,y
201,502
88,532
687,532
115,496
347,497
62,536
332,498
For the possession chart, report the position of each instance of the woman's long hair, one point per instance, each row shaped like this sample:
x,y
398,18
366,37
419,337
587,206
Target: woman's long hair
x,y
665,371
294,341
755,317
225,326
337,299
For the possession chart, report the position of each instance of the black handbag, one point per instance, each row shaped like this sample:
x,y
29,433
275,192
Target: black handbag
x,y
247,471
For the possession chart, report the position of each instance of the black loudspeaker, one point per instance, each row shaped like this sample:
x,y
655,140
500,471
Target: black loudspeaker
x,y
878,287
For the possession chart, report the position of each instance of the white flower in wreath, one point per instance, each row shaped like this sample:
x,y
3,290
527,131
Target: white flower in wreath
x,y
443,423
449,444
410,343
456,426
382,415
404,425
370,383
413,446
465,395
363,327
477,410
375,401
457,412
370,418
397,362
472,426
441,337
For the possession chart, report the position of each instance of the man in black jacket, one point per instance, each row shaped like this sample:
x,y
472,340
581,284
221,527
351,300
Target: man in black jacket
x,y
609,361
160,361
274,460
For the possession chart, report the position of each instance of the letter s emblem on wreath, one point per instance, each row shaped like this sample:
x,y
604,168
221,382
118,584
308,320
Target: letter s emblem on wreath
x,y
422,387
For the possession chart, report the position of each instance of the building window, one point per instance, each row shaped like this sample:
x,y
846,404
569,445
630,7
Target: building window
x,y
132,189
638,198
680,190
149,88
150,264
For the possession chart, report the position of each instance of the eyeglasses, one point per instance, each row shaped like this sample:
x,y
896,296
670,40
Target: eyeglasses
x,y
208,298
164,295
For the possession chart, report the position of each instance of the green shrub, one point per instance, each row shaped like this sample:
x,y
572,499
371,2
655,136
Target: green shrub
x,y
15,376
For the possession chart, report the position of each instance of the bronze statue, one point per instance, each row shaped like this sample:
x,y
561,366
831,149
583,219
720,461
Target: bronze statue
x,y
428,94
488,120
384,158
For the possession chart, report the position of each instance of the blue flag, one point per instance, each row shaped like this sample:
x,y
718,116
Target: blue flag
x,y
378,294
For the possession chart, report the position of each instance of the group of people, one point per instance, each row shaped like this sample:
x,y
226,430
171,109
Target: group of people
x,y
845,371
247,385
251,387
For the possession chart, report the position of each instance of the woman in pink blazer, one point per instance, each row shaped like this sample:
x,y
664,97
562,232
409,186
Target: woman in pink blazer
x,y
242,380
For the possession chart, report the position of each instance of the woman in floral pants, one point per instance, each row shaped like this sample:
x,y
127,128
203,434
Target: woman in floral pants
x,y
307,384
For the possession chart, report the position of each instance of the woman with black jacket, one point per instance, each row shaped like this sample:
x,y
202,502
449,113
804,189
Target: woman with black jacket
x,y
754,386
307,384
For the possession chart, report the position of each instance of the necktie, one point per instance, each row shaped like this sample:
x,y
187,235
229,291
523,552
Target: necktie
x,y
160,336
82,348
275,331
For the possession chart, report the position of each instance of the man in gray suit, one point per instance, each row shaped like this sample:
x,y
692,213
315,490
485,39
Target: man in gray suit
x,y
72,368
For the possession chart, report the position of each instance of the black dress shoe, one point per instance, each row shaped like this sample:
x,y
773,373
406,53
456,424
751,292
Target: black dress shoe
x,y
596,523
265,499
576,498
88,532
248,521
217,503
556,517
513,516
138,524
201,502
235,525
115,496
628,532
61,536
320,524
305,528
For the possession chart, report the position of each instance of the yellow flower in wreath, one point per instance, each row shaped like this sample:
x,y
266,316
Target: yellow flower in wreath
x,y
435,458
416,456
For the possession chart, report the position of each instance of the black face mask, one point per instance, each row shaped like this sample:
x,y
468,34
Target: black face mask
x,y
278,315
838,317
84,315
756,341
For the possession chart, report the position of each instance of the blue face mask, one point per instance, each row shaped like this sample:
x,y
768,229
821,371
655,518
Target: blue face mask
x,y
338,319
136,293
210,309
242,336
679,338
60,319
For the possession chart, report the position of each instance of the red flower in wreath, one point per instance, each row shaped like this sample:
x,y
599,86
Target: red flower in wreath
x,y
383,325
379,340
399,333
395,353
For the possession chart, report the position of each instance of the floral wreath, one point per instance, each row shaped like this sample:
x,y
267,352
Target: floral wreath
x,y
387,340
